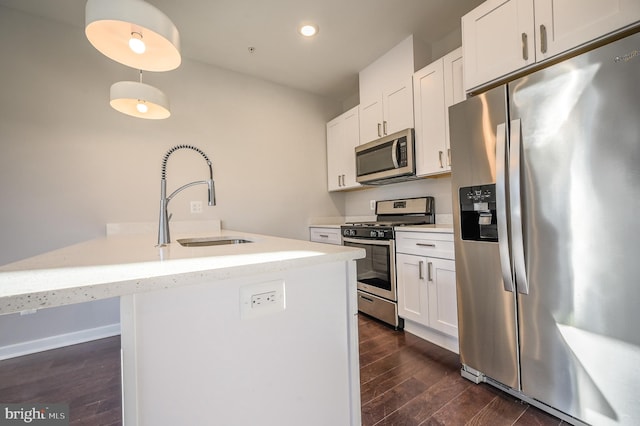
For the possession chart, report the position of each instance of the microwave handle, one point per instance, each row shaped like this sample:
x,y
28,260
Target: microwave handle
x,y
394,154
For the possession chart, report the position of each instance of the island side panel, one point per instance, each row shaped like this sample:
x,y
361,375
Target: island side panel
x,y
193,355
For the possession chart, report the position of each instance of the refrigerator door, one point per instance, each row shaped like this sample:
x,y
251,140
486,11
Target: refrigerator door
x,y
579,137
486,311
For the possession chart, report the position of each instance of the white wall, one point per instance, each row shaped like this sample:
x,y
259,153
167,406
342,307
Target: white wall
x,y
69,163
357,202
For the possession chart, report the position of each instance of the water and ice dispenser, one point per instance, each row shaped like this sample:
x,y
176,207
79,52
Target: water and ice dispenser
x,y
478,213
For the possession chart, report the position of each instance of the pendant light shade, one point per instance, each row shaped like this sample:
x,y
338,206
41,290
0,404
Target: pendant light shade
x,y
139,100
134,33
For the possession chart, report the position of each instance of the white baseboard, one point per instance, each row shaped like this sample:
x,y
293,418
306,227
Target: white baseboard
x,y
58,341
433,336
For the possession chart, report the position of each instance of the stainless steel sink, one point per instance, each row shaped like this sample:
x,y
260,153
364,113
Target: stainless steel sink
x,y
211,241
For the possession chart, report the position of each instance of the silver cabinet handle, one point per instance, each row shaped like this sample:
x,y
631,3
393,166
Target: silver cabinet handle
x,y
525,49
425,245
323,235
379,130
429,273
440,159
501,206
517,248
343,184
421,269
384,127
449,156
543,39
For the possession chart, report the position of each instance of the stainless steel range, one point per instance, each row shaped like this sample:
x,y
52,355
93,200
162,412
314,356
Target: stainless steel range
x,y
377,295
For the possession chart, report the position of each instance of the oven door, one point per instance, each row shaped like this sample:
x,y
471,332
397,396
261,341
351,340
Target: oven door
x,y
376,271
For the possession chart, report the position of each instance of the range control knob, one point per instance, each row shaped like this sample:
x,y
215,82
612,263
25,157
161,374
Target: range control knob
x,y
373,233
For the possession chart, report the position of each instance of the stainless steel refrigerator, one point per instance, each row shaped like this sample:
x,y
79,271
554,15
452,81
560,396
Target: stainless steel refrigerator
x,y
546,193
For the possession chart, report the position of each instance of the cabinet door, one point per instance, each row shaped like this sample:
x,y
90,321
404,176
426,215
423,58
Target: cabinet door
x,y
443,309
351,135
398,107
453,92
564,24
343,135
430,132
498,38
334,152
371,120
412,288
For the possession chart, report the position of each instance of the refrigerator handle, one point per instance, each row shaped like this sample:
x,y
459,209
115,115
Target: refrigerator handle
x,y
516,207
501,206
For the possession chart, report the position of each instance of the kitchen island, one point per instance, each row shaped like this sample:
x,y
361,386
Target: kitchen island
x,y
263,332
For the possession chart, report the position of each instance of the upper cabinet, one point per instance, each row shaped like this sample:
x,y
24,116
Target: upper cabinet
x,y
501,37
386,90
435,88
390,112
343,135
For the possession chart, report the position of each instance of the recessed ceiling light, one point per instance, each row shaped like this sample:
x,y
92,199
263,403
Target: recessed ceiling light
x,y
308,30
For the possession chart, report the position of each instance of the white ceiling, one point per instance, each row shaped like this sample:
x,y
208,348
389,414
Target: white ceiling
x,y
353,33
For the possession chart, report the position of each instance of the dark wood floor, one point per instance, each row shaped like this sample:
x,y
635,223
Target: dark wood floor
x,y
404,381
408,381
85,376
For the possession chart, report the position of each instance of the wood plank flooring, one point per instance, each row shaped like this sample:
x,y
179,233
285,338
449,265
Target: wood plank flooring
x,y
404,381
85,376
407,381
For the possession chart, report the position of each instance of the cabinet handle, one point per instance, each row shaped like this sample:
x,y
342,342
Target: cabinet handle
x,y
525,49
429,266
384,127
449,157
343,181
420,269
543,39
440,159
339,185
425,245
323,235
379,130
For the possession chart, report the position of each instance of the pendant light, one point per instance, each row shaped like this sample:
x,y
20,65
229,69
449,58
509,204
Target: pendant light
x,y
133,33
140,100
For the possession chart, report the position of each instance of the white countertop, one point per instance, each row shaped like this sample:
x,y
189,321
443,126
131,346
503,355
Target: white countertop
x,y
123,264
440,229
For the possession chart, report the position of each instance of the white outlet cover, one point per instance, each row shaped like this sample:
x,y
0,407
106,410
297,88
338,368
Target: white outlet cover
x,y
247,311
196,207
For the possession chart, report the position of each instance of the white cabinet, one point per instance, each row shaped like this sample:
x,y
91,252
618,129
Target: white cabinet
x,y
426,280
321,234
386,90
501,37
435,88
388,112
343,135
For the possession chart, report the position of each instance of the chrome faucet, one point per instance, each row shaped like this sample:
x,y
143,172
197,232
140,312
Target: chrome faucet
x,y
163,222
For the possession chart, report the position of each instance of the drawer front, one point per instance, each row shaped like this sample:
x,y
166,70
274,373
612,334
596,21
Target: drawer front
x,y
326,235
425,244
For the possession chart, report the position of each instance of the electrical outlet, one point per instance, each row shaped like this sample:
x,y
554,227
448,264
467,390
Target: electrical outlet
x,y
260,299
372,204
196,207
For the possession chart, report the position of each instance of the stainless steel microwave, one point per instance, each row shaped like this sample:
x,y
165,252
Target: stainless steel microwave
x,y
386,160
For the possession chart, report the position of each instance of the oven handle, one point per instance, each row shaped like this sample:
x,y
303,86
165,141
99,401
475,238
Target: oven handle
x,y
366,241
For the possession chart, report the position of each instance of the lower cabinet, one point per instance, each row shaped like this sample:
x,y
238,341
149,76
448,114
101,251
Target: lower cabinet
x,y
426,279
328,235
